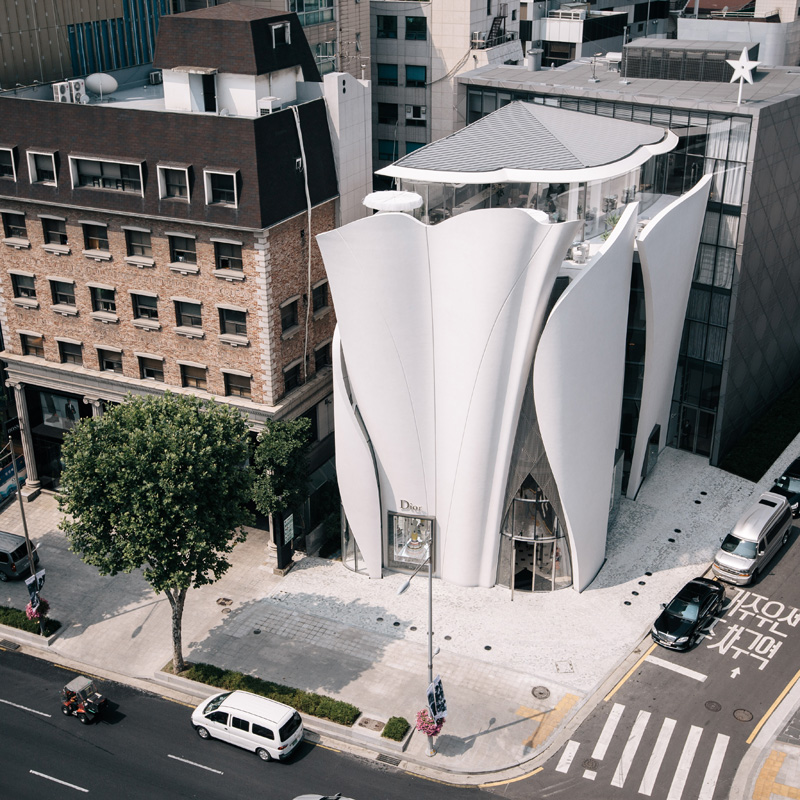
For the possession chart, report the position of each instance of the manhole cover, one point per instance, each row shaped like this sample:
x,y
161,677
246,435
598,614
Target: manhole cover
x,y
743,715
713,705
226,611
257,631
371,724
590,763
540,692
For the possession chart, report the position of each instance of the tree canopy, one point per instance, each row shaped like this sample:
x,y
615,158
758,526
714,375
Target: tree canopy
x,y
159,483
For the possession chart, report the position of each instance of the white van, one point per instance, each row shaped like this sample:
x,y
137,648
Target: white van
x,y
758,535
269,728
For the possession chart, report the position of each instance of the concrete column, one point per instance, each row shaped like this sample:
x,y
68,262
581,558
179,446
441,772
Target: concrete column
x,y
97,406
32,482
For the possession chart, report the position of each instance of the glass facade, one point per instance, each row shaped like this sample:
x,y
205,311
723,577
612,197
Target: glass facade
x,y
708,143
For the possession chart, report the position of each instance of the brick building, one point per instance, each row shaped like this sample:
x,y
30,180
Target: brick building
x,y
162,236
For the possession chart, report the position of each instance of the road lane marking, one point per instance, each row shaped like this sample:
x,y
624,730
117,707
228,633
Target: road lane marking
x,y
656,757
56,780
488,785
630,672
714,766
25,708
689,673
766,716
565,762
195,764
685,763
589,775
631,746
607,733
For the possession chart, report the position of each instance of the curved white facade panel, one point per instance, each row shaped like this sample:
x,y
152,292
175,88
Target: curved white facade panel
x,y
577,384
667,268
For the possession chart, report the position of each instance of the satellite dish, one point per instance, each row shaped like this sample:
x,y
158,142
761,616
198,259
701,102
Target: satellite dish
x,y
101,83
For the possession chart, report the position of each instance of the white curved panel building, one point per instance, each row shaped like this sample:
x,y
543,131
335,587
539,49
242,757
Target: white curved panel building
x,y
479,363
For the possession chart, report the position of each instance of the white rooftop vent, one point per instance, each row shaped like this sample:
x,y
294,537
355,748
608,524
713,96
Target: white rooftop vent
x,y
393,201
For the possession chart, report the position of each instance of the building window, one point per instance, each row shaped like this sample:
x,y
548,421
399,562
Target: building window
x,y
292,377
188,315
237,385
387,27
144,306
70,353
289,316
42,168
228,256
7,165
174,182
412,146
103,299
312,12
220,188
55,231
416,28
416,75
387,74
232,321
319,297
280,34
14,226
182,249
138,243
151,369
32,345
322,357
387,113
110,361
63,293
387,150
416,116
488,8
194,377
24,286
107,175
95,237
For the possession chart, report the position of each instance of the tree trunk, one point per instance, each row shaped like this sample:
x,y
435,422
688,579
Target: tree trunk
x,y
176,599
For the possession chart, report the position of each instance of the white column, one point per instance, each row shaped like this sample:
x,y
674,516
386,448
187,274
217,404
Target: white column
x,y
32,482
96,404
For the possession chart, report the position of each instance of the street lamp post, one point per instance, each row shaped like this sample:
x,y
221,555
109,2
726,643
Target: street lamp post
x,y
406,583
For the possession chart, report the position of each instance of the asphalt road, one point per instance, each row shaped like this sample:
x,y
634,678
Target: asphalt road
x,y
679,724
145,747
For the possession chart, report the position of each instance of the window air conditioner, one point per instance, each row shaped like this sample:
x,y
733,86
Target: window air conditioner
x,y
61,92
155,77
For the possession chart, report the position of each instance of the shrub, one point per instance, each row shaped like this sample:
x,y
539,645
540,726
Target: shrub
x,y
315,705
15,618
396,728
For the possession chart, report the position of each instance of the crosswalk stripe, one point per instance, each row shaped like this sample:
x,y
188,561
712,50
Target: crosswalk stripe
x,y
714,766
567,756
685,763
632,745
657,756
607,733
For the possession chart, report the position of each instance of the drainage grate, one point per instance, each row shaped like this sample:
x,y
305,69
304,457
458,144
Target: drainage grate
x,y
713,705
6,645
743,715
395,762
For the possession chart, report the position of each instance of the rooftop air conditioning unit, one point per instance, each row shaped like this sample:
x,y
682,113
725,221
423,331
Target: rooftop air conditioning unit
x,y
78,90
266,105
62,92
155,77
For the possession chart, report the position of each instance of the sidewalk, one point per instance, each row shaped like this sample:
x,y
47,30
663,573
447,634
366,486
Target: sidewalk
x,y
325,629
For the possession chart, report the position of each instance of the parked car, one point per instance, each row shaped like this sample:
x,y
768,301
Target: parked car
x,y
681,622
14,556
789,486
757,536
270,729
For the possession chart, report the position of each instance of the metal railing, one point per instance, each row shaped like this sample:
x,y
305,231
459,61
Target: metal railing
x,y
481,40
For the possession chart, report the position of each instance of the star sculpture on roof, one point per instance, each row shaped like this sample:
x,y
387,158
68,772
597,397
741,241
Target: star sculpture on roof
x,y
742,71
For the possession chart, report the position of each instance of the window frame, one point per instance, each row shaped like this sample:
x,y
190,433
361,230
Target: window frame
x,y
98,302
150,365
65,356
388,81
56,293
51,222
415,83
230,258
27,292
323,287
383,119
186,377
207,180
382,32
88,237
130,244
173,251
13,175
29,345
7,232
33,170
185,318
293,376
137,307
395,147
328,360
163,183
110,355
75,175
285,39
234,389
417,37
290,324
230,326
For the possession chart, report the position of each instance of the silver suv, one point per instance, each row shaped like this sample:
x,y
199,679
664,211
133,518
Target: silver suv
x,y
14,556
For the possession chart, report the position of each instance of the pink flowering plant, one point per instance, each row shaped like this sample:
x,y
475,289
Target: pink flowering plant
x,y
427,725
40,612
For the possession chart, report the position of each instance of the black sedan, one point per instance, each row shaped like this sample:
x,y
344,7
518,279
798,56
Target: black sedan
x,y
789,486
684,617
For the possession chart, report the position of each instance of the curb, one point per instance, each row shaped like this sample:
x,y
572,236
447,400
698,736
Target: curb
x,y
19,636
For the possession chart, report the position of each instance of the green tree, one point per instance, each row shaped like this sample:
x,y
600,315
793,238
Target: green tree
x,y
159,483
281,464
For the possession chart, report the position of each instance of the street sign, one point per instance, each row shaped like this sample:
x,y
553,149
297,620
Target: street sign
x,y
288,529
437,705
34,584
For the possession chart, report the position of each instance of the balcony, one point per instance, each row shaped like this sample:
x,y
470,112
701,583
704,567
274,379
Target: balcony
x,y
482,40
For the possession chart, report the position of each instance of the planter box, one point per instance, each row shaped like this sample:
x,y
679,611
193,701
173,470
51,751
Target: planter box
x,y
31,639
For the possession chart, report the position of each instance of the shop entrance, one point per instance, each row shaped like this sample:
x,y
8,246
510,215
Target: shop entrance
x,y
536,565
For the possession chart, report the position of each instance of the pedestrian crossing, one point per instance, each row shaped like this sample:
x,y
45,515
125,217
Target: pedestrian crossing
x,y
657,754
